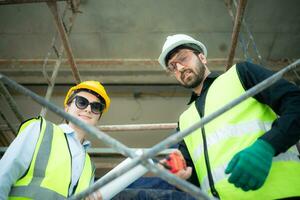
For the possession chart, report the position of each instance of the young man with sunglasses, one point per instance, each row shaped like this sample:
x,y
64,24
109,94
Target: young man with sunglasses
x,y
49,161
248,152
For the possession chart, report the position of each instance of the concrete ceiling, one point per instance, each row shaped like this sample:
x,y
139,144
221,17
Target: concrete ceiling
x,y
119,41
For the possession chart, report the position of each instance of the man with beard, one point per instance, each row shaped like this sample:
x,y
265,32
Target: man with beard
x,y
248,152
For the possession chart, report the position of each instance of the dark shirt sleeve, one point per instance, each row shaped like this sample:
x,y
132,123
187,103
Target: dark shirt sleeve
x,y
283,97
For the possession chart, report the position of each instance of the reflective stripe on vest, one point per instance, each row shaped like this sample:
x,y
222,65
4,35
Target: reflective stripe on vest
x,y
35,192
231,132
251,127
46,177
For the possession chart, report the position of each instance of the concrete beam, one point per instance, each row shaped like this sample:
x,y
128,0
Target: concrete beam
x,y
109,71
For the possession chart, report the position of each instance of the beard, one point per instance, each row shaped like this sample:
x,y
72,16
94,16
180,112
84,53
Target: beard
x,y
195,76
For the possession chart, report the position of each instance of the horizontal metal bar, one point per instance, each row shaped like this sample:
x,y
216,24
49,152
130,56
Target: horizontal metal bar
x,y
5,2
107,151
138,127
123,127
109,64
109,71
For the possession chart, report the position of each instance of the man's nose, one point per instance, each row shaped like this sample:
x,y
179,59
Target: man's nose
x,y
179,67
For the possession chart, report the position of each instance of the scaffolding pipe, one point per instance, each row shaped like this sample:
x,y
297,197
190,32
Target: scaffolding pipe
x,y
138,127
11,102
56,67
120,183
5,2
241,38
53,48
250,36
244,24
162,145
236,30
123,127
185,186
64,39
122,170
107,151
175,138
149,64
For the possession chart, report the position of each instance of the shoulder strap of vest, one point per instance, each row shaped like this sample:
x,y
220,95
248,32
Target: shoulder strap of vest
x,y
27,122
44,147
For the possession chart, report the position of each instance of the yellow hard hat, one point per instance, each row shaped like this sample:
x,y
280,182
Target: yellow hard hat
x,y
94,86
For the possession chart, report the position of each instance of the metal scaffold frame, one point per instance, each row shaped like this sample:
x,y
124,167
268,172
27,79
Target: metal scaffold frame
x,y
243,23
63,33
235,33
145,157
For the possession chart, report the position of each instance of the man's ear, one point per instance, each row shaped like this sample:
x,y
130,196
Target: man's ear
x,y
202,58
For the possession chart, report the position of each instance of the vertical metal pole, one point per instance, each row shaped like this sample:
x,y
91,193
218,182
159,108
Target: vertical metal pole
x,y
236,30
250,36
64,39
58,60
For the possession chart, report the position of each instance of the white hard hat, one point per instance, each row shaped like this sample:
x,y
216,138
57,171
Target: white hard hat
x,y
174,41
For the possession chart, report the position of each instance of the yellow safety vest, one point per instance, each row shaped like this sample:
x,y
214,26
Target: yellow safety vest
x,y
49,174
230,133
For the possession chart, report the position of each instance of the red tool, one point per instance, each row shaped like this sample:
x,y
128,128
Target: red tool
x,y
175,162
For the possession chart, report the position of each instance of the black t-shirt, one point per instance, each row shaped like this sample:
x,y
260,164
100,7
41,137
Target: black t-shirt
x,y
283,97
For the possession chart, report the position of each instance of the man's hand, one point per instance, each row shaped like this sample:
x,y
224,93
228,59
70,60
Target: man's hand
x,y
94,196
177,165
250,167
184,173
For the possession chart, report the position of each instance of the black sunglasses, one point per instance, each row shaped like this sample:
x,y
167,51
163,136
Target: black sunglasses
x,y
82,103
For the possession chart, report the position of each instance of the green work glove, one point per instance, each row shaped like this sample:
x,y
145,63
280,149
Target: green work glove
x,y
250,167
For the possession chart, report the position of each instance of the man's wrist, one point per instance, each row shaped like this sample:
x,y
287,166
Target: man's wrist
x,y
267,146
